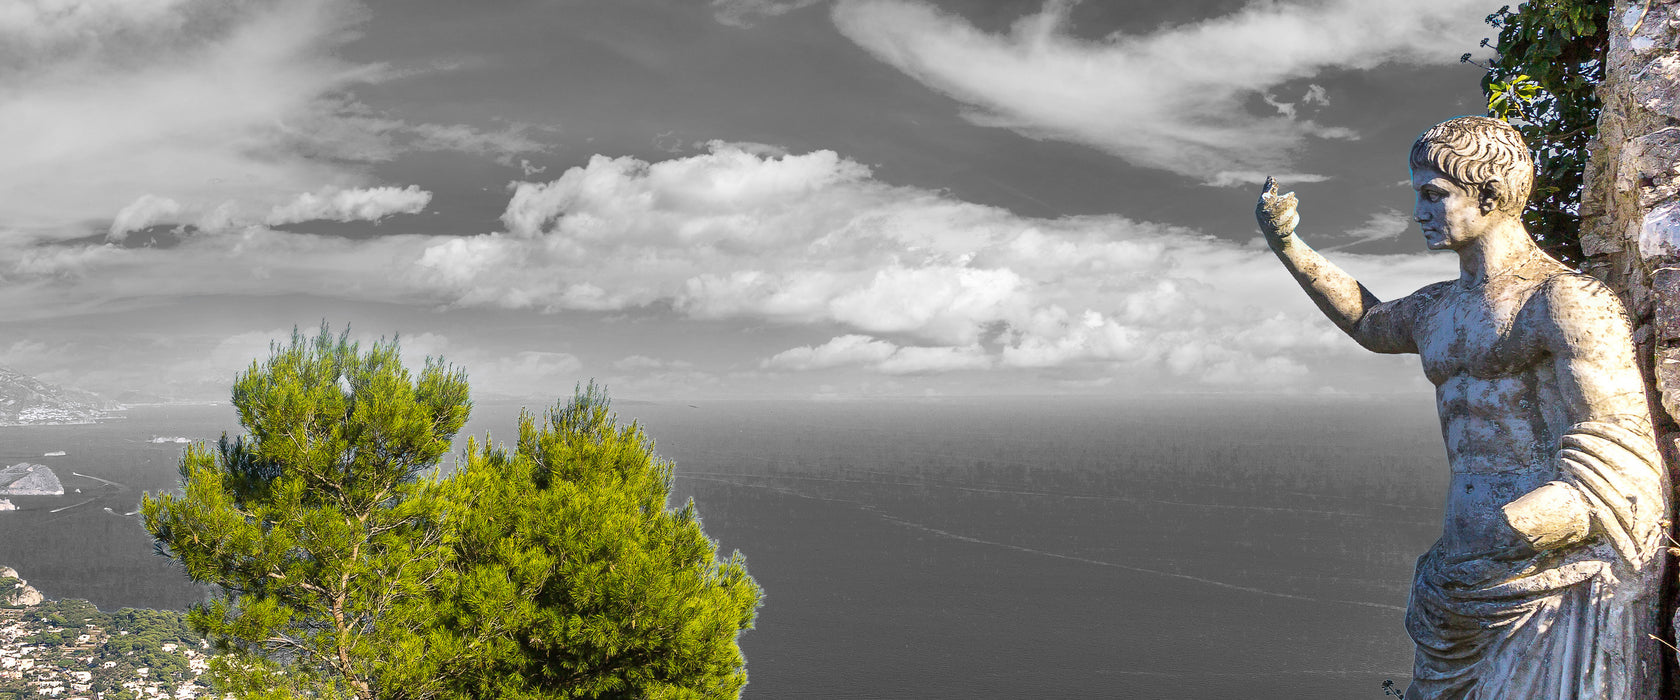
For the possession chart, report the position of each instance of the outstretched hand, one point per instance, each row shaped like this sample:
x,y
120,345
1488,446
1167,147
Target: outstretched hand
x,y
1276,213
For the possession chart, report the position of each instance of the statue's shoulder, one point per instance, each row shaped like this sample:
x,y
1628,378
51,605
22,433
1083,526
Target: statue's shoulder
x,y
1564,287
1577,304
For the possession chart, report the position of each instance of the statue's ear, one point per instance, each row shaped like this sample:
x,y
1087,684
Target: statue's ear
x,y
1488,195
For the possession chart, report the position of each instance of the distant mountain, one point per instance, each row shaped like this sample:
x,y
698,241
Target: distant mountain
x,y
25,400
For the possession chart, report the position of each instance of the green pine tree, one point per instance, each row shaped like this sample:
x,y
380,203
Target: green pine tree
x,y
574,578
319,528
345,566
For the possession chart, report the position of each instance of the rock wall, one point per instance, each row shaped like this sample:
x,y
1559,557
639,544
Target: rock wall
x,y
1630,219
1630,209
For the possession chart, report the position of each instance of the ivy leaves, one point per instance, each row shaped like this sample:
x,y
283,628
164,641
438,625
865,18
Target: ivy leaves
x,y
1550,61
1507,98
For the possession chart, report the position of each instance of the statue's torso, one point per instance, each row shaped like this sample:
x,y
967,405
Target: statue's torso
x,y
1496,392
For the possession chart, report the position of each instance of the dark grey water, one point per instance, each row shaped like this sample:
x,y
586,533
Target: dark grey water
x,y
1165,548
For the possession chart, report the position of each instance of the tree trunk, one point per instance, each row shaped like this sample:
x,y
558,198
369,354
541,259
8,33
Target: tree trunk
x,y
1630,219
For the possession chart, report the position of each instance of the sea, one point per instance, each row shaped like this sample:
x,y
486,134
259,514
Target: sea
x,y
1187,546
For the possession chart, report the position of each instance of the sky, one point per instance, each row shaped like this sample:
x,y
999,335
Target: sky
x,y
699,199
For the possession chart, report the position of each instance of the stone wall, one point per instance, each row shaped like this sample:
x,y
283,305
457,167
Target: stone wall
x,y
1630,217
1630,209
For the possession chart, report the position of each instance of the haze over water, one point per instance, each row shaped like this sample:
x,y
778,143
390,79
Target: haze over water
x,y
1187,547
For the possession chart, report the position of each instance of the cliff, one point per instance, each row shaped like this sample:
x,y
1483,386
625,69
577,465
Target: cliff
x,y
14,591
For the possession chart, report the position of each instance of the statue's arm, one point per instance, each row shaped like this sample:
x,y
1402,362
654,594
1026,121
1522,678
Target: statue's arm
x,y
1586,335
1378,326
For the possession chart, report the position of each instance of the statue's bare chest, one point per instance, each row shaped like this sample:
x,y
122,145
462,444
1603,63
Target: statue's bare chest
x,y
1478,332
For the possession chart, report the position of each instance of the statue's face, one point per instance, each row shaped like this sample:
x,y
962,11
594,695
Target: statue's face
x,y
1450,214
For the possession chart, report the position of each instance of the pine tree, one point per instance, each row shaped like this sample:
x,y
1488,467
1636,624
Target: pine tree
x,y
346,566
574,578
318,529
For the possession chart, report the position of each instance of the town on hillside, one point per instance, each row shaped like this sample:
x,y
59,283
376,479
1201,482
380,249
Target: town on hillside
x,y
69,650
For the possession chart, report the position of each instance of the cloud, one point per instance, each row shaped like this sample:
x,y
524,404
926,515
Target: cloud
x,y
902,280
921,360
504,143
148,210
920,281
643,362
878,355
1315,96
29,28
742,13
1382,225
227,107
841,350
1176,99
333,204
525,373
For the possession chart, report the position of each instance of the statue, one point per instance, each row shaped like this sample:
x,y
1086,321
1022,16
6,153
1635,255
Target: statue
x,y
1545,581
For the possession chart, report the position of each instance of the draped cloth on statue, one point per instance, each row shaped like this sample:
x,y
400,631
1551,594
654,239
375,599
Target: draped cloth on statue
x,y
1566,624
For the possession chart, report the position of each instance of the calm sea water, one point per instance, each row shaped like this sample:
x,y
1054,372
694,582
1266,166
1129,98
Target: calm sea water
x,y
1164,548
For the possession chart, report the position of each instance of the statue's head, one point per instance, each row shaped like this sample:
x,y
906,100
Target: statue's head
x,y
1480,154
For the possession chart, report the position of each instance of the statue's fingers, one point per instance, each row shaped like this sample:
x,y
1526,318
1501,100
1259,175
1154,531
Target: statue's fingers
x,y
1289,200
1270,188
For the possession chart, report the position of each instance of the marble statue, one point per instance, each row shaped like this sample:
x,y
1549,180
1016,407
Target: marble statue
x,y
1544,583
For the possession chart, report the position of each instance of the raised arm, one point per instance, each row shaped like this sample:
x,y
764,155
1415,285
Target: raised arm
x,y
1374,324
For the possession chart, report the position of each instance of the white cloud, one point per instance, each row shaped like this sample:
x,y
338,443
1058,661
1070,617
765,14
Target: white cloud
x,y
1316,95
922,360
907,280
30,27
742,13
839,351
148,210
643,362
1381,225
334,204
526,373
504,143
880,356
944,302
1175,98
815,239
226,109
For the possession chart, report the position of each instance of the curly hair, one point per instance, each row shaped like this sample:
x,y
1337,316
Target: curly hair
x,y
1473,151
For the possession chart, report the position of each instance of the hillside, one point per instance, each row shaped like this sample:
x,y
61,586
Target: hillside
x,y
25,400
69,648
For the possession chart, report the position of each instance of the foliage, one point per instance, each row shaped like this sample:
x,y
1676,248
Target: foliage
x,y
574,578
347,567
319,524
9,587
1550,59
